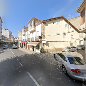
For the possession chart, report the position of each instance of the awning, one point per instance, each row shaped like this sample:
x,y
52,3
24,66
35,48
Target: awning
x,y
24,42
33,43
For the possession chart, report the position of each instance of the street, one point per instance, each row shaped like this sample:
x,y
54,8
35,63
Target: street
x,y
18,68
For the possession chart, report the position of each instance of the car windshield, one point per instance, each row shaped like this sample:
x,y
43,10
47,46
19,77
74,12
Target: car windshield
x,y
76,60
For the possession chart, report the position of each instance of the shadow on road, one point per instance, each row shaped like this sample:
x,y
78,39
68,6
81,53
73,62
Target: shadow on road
x,y
46,73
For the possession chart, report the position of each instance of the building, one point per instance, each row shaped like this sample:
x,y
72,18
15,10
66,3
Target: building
x,y
80,22
82,11
20,39
77,23
7,35
1,28
52,34
58,33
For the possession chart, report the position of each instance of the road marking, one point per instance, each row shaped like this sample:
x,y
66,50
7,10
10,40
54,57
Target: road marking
x,y
17,58
20,63
34,80
12,53
37,84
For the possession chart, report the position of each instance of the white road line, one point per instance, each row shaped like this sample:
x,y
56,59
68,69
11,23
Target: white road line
x,y
17,59
20,63
37,84
12,53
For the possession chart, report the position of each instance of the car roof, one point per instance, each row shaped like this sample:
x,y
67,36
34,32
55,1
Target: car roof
x,y
72,54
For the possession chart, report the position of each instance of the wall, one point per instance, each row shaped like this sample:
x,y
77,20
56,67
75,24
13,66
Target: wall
x,y
61,34
0,28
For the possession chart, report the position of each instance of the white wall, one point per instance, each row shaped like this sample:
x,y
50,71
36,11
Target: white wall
x,y
38,30
60,27
0,28
6,33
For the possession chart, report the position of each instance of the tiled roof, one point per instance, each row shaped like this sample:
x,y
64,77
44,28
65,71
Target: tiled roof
x,y
80,8
49,20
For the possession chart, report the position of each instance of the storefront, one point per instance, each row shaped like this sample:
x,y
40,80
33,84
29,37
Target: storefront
x,y
34,46
24,45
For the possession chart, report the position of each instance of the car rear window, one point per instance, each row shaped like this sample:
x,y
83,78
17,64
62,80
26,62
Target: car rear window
x,y
75,60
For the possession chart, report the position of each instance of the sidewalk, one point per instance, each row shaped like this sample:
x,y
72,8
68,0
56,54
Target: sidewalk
x,y
27,51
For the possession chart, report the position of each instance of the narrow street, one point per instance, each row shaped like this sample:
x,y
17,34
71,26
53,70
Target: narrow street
x,y
22,69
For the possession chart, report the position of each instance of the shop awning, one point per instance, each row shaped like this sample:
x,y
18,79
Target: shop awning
x,y
24,42
33,43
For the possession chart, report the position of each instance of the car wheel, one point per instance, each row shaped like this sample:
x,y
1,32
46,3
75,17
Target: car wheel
x,y
64,69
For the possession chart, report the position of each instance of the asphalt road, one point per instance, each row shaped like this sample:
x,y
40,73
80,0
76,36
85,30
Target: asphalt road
x,y
21,69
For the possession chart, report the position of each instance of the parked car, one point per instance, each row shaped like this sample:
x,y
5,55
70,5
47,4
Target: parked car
x,y
5,46
15,46
73,49
67,49
72,63
80,47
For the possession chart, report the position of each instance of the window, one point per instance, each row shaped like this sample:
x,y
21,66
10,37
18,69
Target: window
x,y
75,60
72,30
57,22
65,25
58,33
62,56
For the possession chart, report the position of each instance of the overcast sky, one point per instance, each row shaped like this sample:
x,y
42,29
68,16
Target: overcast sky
x,y
17,13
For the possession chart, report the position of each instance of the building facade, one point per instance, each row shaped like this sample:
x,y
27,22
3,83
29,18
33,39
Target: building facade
x,y
82,11
0,28
7,35
58,33
52,34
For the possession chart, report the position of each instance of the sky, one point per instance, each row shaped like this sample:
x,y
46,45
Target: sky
x,y
17,13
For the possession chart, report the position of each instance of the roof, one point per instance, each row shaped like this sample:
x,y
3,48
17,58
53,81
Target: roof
x,y
81,7
56,18
72,54
48,20
76,22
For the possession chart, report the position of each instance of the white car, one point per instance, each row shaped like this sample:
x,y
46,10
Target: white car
x,y
66,49
80,47
73,49
72,64
15,46
5,46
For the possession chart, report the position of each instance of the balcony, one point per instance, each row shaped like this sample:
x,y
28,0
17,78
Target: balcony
x,y
32,30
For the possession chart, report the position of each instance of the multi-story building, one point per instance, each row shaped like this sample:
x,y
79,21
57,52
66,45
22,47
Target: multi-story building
x,y
6,35
77,23
80,22
58,33
51,34
82,11
1,28
20,39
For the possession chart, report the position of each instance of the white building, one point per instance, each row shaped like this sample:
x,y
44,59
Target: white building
x,y
53,34
6,35
0,28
